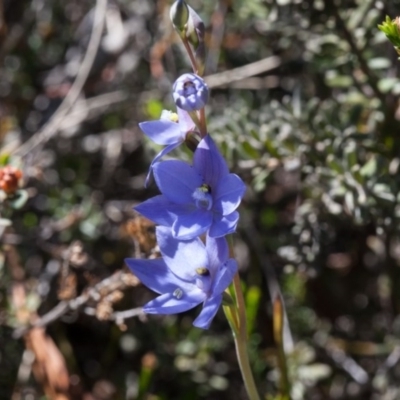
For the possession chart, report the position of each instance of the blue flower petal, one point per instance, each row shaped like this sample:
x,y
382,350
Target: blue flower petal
x,y
210,308
228,194
169,304
189,225
217,251
157,209
224,276
177,180
162,132
157,276
223,225
182,257
162,153
209,162
186,123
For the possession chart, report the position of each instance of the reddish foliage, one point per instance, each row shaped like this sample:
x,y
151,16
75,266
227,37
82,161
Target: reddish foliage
x,y
10,178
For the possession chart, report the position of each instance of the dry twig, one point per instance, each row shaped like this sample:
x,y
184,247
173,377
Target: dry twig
x,y
53,126
217,34
237,74
115,282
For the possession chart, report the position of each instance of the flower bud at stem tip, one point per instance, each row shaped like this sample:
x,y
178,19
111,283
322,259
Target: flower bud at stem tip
x,y
179,15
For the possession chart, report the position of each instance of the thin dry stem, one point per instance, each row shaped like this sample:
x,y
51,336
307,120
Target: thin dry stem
x,y
53,126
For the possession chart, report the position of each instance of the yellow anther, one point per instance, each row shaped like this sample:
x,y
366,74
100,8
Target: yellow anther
x,y
174,117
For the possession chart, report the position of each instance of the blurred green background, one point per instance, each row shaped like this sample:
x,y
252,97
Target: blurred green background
x,y
315,134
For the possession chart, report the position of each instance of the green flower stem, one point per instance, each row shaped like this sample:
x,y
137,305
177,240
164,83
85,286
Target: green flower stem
x,y
239,330
241,343
231,316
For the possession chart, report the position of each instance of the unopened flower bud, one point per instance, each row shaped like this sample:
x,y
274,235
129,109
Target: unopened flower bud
x,y
179,15
195,31
190,92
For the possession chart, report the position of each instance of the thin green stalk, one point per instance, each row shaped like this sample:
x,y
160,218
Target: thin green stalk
x,y
240,336
241,343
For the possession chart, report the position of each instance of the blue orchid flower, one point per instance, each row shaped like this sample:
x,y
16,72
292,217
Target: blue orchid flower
x,y
190,273
170,130
196,198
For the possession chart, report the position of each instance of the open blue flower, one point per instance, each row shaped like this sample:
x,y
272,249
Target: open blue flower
x,y
196,198
170,130
189,273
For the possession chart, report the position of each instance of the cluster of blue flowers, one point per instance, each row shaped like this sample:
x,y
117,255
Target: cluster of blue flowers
x,y
198,200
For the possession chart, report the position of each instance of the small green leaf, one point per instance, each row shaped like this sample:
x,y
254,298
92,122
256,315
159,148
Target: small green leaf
x,y
270,146
351,154
383,192
369,169
387,84
253,296
4,222
379,63
334,164
19,200
333,207
341,81
349,201
250,150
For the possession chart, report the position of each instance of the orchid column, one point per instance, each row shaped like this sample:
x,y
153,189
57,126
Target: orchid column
x,y
196,210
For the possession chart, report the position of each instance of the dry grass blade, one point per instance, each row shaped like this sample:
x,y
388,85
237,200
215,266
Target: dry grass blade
x,y
49,366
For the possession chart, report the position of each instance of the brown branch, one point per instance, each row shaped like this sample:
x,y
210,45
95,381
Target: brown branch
x,y
119,316
117,281
237,74
88,108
